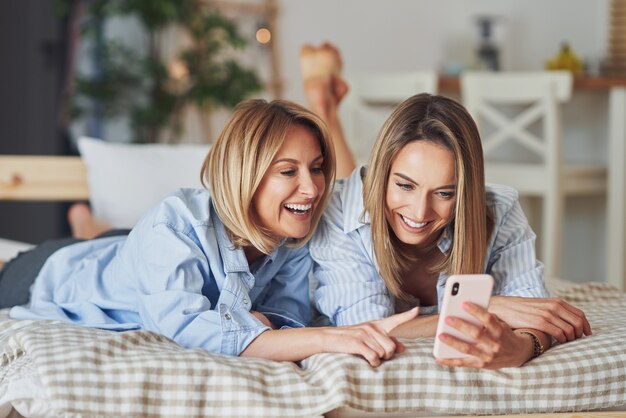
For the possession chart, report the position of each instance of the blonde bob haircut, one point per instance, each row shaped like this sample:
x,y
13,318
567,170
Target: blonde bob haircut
x,y
242,154
443,121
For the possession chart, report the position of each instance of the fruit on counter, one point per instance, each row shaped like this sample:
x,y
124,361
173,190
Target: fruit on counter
x,y
566,59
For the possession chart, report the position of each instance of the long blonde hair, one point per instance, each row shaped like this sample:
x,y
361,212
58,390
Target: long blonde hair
x,y
446,122
240,157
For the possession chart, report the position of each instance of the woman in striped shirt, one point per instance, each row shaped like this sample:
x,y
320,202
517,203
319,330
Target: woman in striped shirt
x,y
394,231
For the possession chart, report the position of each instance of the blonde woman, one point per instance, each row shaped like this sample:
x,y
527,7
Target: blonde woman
x,y
224,270
420,211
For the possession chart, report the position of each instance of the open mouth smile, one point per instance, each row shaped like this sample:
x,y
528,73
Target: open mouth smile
x,y
412,224
298,209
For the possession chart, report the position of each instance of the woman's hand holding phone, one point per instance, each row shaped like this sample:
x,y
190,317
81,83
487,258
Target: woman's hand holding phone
x,y
475,288
492,345
468,335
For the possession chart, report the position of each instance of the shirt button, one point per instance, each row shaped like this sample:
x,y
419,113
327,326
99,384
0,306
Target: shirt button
x,y
227,316
245,301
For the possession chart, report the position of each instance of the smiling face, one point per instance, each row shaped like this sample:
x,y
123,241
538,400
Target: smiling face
x,y
420,196
292,186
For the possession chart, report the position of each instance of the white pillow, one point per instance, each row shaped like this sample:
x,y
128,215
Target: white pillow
x,y
126,180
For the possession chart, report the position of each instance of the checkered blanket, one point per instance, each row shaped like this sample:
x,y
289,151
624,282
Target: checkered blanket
x,y
56,369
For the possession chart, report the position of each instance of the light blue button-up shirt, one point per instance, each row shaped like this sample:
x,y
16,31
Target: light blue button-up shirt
x,y
350,289
177,274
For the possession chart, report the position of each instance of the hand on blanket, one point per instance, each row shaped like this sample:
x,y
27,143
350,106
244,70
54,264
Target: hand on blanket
x,y
553,316
371,340
496,344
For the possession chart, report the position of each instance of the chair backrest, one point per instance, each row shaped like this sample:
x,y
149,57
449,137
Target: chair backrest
x,y
513,105
370,101
507,106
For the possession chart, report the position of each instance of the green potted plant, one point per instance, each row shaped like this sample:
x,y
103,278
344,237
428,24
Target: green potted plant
x,y
149,90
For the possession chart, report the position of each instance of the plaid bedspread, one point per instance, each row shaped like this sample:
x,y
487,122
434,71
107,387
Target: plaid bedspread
x,y
55,369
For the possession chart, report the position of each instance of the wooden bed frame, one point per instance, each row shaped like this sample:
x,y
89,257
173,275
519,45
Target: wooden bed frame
x,y
39,178
52,178
43,178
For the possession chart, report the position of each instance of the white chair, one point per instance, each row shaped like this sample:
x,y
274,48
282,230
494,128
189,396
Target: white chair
x,y
371,99
523,109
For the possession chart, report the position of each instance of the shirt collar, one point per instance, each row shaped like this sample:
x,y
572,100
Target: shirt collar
x,y
354,215
445,240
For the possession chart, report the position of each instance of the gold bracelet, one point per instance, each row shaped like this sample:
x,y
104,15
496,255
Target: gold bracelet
x,y
538,348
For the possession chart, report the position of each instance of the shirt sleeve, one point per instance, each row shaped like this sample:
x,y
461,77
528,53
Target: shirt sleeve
x,y
512,262
350,290
171,271
286,302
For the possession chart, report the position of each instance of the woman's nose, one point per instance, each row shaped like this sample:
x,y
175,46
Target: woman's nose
x,y
421,207
308,186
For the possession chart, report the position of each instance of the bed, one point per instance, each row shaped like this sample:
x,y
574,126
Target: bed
x,y
54,369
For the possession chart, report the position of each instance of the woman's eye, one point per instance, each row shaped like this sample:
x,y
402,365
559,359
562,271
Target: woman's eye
x,y
405,186
317,170
289,173
446,195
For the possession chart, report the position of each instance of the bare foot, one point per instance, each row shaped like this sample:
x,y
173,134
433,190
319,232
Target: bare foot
x,y
83,224
323,61
321,76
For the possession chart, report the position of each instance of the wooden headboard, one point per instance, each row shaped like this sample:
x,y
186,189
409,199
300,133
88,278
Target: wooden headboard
x,y
43,178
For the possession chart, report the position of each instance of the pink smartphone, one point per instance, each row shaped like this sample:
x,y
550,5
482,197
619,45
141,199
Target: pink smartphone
x,y
475,288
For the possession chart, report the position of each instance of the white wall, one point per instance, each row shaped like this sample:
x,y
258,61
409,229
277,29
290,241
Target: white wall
x,y
397,35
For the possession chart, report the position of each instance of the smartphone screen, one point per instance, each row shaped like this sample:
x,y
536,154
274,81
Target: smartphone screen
x,y
475,288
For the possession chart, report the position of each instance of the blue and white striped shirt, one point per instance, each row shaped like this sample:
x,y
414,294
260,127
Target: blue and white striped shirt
x,y
177,274
350,289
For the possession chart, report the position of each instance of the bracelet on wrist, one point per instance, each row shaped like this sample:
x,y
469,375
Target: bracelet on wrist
x,y
538,348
